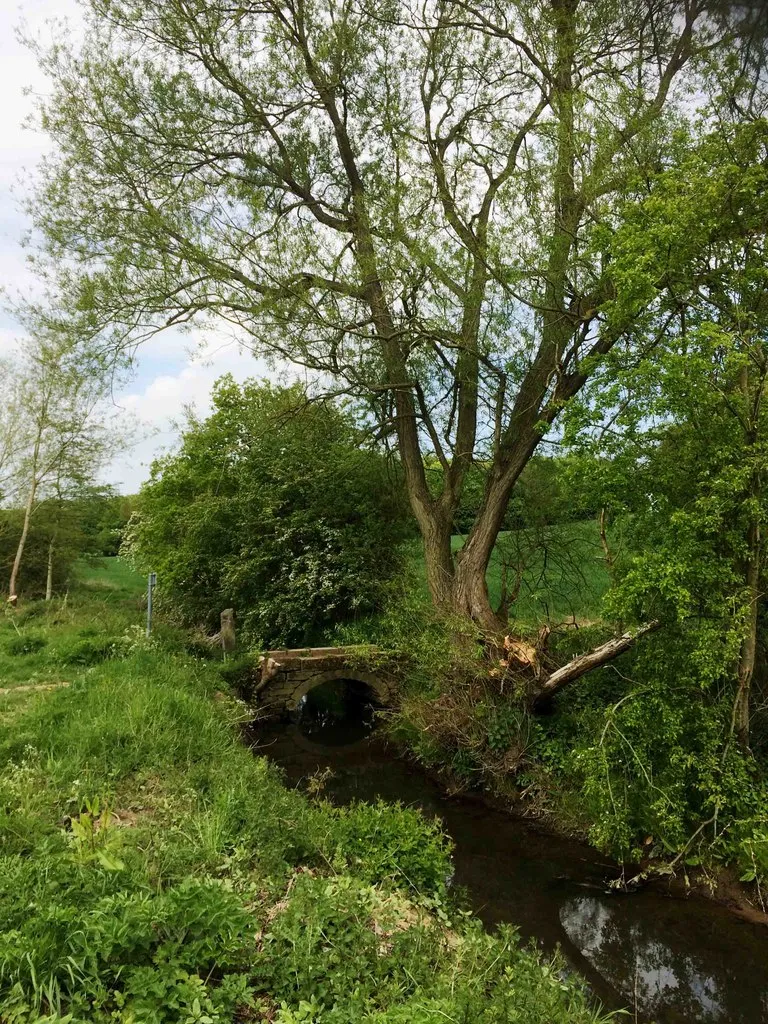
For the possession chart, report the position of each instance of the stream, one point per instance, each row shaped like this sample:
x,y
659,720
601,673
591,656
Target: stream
x,y
668,959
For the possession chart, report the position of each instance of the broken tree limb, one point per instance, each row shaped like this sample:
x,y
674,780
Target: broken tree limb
x,y
592,659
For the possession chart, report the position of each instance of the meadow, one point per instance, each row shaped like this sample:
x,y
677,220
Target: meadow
x,y
562,572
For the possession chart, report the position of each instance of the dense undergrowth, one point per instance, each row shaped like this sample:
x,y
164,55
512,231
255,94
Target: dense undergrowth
x,y
152,870
639,756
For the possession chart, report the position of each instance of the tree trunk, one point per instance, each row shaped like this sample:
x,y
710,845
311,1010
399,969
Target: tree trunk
x,y
471,600
470,590
438,558
748,651
49,574
13,582
470,597
747,654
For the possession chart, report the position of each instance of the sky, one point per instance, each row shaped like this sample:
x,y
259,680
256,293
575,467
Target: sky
x,y
171,371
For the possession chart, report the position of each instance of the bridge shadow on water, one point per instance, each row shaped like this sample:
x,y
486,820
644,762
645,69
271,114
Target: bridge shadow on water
x,y
337,713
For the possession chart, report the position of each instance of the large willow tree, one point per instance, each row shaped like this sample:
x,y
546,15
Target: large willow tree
x,y
399,196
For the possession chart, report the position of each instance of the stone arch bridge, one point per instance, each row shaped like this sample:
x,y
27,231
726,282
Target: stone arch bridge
x,y
285,676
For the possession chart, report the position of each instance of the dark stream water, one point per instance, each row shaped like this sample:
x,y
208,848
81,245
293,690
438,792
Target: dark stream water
x,y
670,960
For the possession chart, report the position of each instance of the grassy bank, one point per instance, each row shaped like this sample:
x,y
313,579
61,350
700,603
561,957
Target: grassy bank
x,y
154,871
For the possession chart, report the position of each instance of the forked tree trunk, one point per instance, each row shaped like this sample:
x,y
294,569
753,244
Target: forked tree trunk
x,y
470,589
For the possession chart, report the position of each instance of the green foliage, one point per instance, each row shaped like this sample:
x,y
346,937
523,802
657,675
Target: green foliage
x,y
431,645
539,498
35,567
639,755
88,525
241,675
103,516
505,722
87,650
369,957
271,506
386,841
142,955
341,959
403,287
658,745
108,596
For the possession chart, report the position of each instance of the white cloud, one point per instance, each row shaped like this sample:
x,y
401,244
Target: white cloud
x,y
171,371
160,405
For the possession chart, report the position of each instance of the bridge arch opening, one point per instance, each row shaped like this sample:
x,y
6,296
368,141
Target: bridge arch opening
x,y
337,708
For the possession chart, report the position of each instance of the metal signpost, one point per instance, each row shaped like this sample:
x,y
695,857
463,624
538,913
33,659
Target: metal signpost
x,y
151,584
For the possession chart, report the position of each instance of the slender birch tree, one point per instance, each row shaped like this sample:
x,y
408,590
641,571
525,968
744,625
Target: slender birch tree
x,y
63,430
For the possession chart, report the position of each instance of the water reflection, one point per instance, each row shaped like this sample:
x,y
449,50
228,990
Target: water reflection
x,y
674,967
337,713
673,961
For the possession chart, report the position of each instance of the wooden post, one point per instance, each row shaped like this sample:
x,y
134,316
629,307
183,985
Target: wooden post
x,y
228,641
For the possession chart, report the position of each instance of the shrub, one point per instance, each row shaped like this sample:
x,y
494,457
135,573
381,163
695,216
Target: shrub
x,y
30,611
25,643
88,650
388,842
241,675
272,506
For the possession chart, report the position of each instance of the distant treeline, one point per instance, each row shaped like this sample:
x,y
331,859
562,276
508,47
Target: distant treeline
x,y
550,490
60,533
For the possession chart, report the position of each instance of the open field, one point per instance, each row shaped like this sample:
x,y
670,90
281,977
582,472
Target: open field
x,y
44,643
112,576
563,572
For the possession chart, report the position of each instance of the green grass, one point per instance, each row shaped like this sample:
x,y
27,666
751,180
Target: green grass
x,y
108,604
152,870
564,573
110,575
